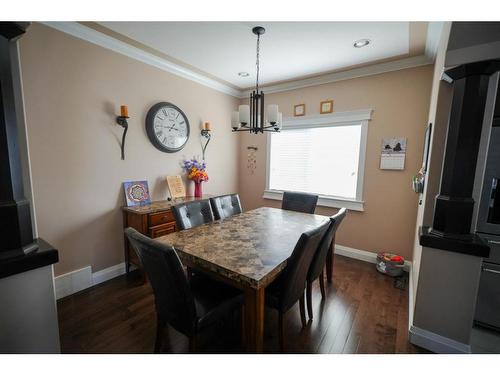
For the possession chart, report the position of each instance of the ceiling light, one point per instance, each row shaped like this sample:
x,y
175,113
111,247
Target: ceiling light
x,y
243,74
361,43
254,118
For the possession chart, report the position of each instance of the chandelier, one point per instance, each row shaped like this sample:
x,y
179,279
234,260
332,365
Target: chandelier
x,y
254,118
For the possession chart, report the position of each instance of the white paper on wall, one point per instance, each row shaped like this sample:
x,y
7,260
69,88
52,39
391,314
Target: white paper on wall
x,y
393,153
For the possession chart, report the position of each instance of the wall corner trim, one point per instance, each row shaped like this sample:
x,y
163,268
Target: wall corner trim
x,y
437,343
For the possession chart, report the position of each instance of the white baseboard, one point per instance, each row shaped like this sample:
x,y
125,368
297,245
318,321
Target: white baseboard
x,y
365,256
75,281
410,298
437,343
108,273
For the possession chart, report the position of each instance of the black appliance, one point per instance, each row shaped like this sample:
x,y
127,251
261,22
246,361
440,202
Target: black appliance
x,y
488,226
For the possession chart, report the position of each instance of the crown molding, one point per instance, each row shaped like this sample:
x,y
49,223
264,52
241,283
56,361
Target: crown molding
x,y
90,35
93,36
410,62
434,31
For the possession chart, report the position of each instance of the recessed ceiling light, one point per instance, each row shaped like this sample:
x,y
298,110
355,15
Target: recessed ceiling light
x,y
243,74
361,43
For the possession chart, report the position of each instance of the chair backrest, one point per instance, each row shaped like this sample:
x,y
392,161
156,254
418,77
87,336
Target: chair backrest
x,y
300,202
319,259
192,214
294,276
226,206
173,298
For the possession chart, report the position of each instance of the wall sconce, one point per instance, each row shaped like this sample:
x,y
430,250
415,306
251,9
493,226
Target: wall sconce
x,y
122,121
205,132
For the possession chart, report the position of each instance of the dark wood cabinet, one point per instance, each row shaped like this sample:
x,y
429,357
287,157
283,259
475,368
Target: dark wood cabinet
x,y
153,220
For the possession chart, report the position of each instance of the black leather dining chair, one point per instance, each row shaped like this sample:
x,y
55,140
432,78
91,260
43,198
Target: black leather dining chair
x,y
300,202
290,286
226,206
319,260
192,214
189,306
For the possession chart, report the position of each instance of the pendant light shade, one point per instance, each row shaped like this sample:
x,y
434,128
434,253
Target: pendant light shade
x,y
272,114
235,120
244,116
279,125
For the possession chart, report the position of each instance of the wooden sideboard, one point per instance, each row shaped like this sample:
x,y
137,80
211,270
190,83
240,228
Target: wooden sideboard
x,y
153,220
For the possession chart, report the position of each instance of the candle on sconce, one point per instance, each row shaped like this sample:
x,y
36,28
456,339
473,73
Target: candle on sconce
x,y
205,132
124,111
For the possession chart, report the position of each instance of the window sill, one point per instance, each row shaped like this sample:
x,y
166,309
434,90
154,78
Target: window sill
x,y
323,200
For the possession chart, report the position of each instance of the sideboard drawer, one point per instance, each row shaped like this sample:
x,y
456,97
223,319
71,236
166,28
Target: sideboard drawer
x,y
161,218
161,230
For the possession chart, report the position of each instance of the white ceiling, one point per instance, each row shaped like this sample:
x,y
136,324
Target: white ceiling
x,y
289,50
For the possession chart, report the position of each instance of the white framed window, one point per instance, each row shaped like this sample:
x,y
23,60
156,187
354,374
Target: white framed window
x,y
324,155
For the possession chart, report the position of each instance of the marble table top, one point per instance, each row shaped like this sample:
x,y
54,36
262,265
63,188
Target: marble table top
x,y
250,248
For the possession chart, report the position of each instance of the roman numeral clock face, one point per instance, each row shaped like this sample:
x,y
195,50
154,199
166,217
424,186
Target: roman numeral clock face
x,y
167,127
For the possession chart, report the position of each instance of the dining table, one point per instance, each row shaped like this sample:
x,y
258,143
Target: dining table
x,y
248,251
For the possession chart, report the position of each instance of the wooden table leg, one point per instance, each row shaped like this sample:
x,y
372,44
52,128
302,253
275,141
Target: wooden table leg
x,y
254,319
329,262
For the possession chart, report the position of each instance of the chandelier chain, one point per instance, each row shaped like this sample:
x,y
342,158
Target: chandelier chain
x,y
257,63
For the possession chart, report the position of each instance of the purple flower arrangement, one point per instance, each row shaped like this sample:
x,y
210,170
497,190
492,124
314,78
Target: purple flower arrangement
x,y
195,170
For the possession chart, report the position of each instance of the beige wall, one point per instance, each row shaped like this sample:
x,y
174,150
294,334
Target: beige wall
x,y
400,101
72,92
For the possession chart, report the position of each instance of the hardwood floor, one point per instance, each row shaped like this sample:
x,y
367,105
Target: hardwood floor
x,y
362,313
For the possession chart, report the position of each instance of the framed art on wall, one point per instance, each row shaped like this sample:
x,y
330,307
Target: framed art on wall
x,y
299,109
136,193
326,106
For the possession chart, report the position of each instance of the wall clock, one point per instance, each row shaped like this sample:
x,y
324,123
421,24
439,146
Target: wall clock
x,y
167,127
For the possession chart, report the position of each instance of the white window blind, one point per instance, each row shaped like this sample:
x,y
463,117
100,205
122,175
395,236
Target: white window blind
x,y
321,160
